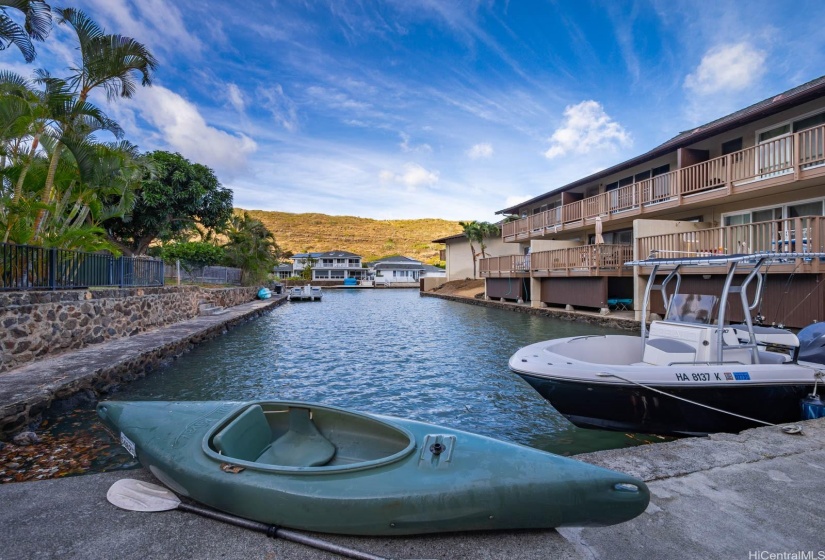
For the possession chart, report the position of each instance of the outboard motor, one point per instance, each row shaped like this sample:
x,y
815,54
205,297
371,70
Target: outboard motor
x,y
812,343
812,349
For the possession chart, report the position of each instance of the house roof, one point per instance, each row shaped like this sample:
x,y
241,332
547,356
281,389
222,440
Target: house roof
x,y
394,266
284,267
339,254
765,108
305,255
396,259
431,268
449,238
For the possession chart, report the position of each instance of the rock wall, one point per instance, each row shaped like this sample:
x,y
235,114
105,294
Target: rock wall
x,y
36,324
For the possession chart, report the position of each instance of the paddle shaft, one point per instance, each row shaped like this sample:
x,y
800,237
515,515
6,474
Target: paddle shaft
x,y
277,532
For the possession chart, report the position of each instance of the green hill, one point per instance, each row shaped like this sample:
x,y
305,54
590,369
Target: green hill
x,y
372,239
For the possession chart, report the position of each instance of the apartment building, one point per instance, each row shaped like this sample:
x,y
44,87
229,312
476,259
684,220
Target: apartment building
x,y
751,181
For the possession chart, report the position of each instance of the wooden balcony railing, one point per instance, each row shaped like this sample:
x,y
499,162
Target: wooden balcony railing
x,y
586,257
510,264
804,234
790,156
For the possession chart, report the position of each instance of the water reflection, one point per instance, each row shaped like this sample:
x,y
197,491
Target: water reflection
x,y
389,352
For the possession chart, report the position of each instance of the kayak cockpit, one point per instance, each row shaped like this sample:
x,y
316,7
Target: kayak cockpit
x,y
249,437
301,437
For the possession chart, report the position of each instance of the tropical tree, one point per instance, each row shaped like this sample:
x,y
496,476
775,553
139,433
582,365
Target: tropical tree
x,y
476,232
174,200
251,247
38,24
193,254
109,61
59,182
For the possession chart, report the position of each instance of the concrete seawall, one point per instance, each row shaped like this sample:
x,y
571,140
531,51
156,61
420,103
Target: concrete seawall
x,y
613,321
28,391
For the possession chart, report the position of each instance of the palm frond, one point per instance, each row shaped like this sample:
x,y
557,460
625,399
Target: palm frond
x,y
13,34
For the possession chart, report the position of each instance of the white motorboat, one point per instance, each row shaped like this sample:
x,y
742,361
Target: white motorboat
x,y
689,374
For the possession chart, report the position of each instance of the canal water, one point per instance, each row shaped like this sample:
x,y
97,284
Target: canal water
x,y
387,351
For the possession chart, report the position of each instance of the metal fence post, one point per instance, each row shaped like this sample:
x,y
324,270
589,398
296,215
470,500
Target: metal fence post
x,y
53,268
120,280
177,268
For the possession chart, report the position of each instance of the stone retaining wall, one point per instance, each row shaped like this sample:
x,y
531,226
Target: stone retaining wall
x,y
602,320
38,324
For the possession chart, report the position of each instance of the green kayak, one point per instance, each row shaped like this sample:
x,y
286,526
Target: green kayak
x,y
320,468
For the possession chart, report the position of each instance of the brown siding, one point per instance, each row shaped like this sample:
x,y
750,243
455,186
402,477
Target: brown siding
x,y
793,301
583,292
507,288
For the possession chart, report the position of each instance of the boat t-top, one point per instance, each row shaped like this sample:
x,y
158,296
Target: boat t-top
x,y
691,373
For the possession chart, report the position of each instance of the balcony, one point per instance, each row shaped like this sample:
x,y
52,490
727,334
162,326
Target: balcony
x,y
805,234
586,260
778,162
802,235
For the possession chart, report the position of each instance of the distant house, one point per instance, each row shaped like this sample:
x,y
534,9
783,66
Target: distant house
x,y
431,271
330,265
396,269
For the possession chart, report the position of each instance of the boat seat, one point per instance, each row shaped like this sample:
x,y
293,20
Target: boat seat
x,y
302,446
246,436
665,351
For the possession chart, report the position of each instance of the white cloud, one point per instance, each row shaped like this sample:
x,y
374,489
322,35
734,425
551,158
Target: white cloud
x,y
280,105
407,147
413,176
586,127
185,130
480,151
235,95
512,200
157,23
727,68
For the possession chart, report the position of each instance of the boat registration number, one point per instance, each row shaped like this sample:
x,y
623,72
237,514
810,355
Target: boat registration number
x,y
128,444
720,376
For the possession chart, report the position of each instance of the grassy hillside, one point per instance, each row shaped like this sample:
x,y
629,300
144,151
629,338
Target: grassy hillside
x,y
372,239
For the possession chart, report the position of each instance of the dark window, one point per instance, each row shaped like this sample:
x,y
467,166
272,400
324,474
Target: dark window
x,y
661,170
611,186
731,146
642,176
809,122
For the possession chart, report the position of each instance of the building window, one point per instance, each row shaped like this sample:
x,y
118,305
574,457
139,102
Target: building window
x,y
731,146
809,122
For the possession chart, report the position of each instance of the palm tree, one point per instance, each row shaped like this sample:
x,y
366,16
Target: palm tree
x,y
251,247
487,230
109,61
37,26
476,232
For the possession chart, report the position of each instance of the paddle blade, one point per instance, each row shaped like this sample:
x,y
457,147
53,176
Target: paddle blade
x,y
136,495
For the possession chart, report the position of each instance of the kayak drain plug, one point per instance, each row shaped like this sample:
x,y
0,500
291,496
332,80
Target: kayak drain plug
x,y
437,448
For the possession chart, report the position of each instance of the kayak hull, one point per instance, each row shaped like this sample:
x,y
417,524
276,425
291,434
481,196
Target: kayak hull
x,y
389,476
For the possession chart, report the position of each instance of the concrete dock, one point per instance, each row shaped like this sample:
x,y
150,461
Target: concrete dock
x,y
757,495
728,496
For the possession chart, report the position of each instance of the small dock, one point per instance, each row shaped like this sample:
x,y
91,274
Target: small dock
x,y
304,293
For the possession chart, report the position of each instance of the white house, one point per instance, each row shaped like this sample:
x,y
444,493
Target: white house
x,y
396,270
330,265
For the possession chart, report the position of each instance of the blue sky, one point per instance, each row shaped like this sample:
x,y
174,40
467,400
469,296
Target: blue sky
x,y
437,108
